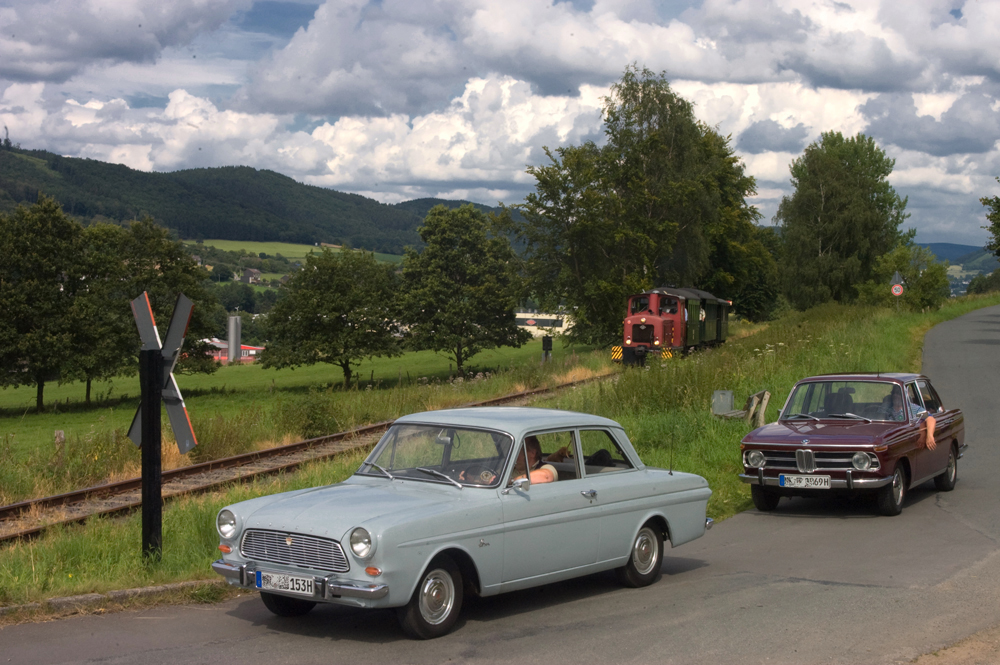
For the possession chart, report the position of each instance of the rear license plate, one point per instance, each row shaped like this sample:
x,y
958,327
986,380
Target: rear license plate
x,y
806,482
286,583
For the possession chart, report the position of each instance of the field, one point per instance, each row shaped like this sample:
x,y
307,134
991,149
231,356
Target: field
x,y
665,408
287,250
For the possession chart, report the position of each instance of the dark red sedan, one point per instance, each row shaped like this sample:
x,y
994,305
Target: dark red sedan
x,y
855,433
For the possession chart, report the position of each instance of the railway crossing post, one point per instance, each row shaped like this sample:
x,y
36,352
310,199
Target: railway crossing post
x,y
156,366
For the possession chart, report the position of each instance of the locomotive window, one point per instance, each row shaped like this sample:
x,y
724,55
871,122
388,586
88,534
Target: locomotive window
x,y
639,304
668,306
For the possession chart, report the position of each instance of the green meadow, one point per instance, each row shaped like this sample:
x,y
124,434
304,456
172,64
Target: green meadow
x,y
286,249
664,407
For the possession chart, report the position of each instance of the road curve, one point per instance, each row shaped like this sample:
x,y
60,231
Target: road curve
x,y
810,583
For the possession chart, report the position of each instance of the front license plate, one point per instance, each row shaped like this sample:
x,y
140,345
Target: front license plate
x,y
286,583
806,482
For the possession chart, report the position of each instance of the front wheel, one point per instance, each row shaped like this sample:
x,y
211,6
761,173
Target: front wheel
x,y
891,496
945,482
643,567
764,500
284,606
436,602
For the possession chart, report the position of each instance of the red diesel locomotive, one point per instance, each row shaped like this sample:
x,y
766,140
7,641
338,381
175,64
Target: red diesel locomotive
x,y
667,319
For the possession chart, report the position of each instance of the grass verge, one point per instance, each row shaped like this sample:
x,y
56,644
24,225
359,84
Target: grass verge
x,y
665,409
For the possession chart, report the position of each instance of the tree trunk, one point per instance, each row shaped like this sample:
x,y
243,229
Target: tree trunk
x,y
39,402
346,367
88,391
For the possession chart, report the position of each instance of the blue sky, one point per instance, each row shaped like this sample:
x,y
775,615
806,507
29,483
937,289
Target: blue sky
x,y
399,99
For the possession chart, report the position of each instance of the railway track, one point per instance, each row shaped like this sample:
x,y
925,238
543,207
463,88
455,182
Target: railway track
x,y
28,519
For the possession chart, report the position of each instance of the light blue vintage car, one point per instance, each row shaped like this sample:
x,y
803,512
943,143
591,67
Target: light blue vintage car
x,y
442,508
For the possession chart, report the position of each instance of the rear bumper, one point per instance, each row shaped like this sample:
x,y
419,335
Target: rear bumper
x,y
849,482
327,588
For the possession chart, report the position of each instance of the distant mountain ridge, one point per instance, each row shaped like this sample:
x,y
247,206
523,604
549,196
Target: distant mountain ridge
x,y
231,202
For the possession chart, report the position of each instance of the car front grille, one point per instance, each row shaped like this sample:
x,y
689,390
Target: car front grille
x,y
294,549
807,461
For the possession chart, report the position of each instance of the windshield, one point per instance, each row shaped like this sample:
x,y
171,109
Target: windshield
x,y
440,454
860,400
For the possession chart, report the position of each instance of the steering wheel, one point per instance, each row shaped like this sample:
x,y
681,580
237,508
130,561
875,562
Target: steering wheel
x,y
479,474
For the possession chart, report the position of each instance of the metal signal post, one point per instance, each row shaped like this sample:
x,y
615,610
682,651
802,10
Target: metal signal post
x,y
156,365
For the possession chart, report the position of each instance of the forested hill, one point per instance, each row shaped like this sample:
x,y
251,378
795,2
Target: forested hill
x,y
231,203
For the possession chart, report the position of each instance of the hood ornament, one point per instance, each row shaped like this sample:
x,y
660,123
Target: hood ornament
x,y
805,442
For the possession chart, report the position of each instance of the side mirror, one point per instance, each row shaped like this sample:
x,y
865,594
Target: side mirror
x,y
920,413
523,484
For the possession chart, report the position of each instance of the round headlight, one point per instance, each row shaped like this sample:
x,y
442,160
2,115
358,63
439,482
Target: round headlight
x,y
755,458
361,543
226,523
861,461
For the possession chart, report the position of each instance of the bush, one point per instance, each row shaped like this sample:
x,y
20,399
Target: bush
x,y
984,283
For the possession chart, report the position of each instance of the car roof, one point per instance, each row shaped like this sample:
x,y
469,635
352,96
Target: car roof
x,y
515,420
896,377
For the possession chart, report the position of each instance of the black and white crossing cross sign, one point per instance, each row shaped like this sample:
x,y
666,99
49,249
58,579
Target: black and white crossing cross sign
x,y
170,352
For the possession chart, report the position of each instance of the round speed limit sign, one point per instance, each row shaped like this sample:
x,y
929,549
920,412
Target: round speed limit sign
x,y
897,289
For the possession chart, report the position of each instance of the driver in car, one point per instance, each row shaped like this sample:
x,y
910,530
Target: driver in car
x,y
896,412
540,472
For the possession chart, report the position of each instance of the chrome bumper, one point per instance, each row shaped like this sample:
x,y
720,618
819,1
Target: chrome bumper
x,y
849,483
326,587
709,522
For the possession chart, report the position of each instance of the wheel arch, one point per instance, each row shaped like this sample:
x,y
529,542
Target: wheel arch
x,y
464,561
659,522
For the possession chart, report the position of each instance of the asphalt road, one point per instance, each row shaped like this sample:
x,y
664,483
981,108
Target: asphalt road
x,y
813,582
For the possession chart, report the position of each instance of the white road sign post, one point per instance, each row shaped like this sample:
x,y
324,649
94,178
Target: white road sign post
x,y
156,366
897,287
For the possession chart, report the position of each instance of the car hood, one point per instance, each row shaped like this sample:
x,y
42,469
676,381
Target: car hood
x,y
331,511
826,432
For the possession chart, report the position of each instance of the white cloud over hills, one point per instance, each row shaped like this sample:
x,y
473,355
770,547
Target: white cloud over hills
x,y
453,98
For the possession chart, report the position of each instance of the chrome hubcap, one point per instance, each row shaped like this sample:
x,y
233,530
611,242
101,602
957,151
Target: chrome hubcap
x,y
952,466
897,487
437,596
644,554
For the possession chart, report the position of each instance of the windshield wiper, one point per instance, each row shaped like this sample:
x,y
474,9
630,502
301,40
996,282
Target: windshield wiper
x,y
848,415
438,473
391,477
800,415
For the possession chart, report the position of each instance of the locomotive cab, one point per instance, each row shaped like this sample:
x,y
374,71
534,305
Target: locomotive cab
x,y
668,318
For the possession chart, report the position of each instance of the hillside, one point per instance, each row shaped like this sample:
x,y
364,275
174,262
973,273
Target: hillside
x,y
949,251
233,202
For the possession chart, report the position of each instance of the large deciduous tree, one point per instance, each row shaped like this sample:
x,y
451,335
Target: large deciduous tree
x,y
842,216
662,202
338,309
993,215
39,278
925,279
459,293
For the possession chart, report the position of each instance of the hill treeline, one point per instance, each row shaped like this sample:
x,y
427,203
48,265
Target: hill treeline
x,y
231,203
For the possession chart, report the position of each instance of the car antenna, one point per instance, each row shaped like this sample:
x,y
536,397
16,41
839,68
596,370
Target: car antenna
x,y
673,434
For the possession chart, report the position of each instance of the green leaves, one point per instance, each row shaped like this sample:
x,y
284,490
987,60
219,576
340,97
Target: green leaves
x,y
340,308
993,215
459,293
841,218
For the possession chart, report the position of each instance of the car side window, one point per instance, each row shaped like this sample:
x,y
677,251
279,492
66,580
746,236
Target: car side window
x,y
601,453
559,450
913,397
931,400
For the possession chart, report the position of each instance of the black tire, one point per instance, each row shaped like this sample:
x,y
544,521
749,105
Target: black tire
x,y
436,602
764,500
945,482
645,560
892,496
284,606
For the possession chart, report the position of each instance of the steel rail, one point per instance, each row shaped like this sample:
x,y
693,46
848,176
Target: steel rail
x,y
110,490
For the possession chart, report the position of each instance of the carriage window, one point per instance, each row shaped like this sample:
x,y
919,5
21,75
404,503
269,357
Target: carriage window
x,y
639,304
601,453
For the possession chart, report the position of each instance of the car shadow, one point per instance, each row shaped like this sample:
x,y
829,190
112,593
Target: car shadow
x,y
336,622
861,506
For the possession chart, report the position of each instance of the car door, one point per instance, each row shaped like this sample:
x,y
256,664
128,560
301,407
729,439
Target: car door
x,y
549,527
609,474
924,464
937,459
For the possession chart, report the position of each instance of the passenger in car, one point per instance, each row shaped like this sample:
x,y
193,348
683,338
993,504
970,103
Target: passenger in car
x,y
539,471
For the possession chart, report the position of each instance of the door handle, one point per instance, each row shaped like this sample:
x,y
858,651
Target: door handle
x,y
590,494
